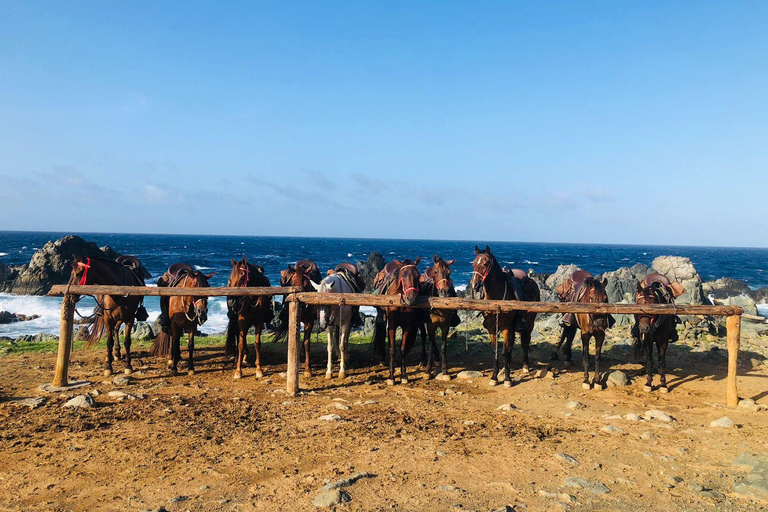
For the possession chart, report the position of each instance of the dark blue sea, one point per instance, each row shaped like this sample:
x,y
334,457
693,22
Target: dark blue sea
x,y
212,254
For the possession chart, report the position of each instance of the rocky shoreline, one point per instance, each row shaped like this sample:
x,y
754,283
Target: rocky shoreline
x,y
51,265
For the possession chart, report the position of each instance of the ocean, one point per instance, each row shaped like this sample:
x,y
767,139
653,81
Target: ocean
x,y
212,253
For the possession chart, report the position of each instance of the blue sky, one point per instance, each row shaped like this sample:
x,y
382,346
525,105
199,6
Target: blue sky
x,y
610,122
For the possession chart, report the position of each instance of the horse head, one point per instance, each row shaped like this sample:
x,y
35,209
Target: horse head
x,y
327,285
595,294
200,305
408,280
80,267
482,265
240,275
646,295
442,276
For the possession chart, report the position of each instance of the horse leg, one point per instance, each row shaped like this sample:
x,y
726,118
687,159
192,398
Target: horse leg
x,y
118,356
662,348
404,350
432,333
110,344
585,359
648,363
176,333
329,367
597,380
444,329
191,352
241,349
509,341
307,339
392,331
343,338
127,342
423,332
257,345
494,346
566,342
525,343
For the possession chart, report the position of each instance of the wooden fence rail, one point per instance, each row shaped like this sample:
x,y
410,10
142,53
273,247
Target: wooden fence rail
x,y
296,298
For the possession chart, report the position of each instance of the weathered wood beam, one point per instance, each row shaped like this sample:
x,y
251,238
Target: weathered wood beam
x,y
157,291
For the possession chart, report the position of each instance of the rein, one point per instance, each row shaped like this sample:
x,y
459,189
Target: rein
x,y
192,304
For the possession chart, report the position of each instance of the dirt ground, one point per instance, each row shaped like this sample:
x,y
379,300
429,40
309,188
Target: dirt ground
x,y
208,442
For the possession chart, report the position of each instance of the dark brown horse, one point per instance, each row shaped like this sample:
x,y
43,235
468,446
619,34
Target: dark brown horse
x,y
497,284
653,330
246,312
436,282
186,314
401,278
585,288
303,276
111,311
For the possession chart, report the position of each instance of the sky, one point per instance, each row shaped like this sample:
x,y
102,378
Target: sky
x,y
595,122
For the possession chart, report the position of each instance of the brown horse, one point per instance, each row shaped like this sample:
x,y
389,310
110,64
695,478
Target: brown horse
x,y
497,284
585,289
186,314
305,276
111,311
436,282
653,330
246,312
401,278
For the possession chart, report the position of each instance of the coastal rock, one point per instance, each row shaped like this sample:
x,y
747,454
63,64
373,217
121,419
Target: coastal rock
x,y
680,269
142,331
743,301
621,287
726,287
755,484
369,268
6,317
562,273
52,265
7,275
36,338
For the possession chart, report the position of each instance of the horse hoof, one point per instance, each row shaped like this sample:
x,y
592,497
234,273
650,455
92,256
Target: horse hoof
x,y
128,371
647,389
390,382
586,385
507,383
664,389
307,375
526,370
492,382
259,374
107,373
342,375
328,375
238,375
597,387
170,363
190,372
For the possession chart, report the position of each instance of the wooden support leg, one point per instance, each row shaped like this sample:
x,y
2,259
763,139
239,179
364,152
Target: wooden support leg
x,y
292,373
733,324
60,378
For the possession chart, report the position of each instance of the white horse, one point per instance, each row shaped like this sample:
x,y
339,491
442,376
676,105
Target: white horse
x,y
336,321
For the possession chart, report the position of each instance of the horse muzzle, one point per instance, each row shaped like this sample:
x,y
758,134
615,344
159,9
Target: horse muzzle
x,y
409,299
600,322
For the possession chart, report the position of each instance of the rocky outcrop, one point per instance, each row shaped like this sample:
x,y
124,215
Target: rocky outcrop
x,y
6,317
562,273
680,269
369,268
726,287
53,264
7,275
621,287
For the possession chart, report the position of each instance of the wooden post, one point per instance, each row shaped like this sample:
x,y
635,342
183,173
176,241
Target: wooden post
x,y
60,378
733,325
292,372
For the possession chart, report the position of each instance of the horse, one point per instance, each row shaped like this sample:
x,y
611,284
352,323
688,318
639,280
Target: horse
x,y
653,330
184,314
246,312
305,275
337,320
436,282
583,287
400,278
497,284
111,311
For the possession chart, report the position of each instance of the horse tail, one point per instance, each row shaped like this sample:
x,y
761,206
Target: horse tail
x,y
281,329
162,345
233,331
379,338
95,329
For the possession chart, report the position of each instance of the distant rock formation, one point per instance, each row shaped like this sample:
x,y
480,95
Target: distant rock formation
x,y
680,269
369,268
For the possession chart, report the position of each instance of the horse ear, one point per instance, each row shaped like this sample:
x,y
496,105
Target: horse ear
x,y
233,262
417,261
477,250
398,262
331,285
605,282
291,269
435,258
208,276
487,249
638,287
315,285
261,269
450,262
245,261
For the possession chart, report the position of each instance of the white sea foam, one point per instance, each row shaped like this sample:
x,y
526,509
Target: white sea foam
x,y
349,255
762,310
529,262
200,267
368,310
3,254
460,288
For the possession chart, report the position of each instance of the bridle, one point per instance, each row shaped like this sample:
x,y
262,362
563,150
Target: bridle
x,y
401,282
86,266
192,305
484,275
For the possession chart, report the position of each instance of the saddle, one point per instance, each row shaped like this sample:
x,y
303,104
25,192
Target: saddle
x,y
516,278
568,289
129,261
385,277
676,289
349,272
174,274
310,269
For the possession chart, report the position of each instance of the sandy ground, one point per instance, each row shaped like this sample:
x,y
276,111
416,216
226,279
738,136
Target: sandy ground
x,y
208,442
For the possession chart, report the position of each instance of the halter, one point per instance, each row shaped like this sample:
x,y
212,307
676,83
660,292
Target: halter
x,y
196,318
402,283
86,266
247,274
484,275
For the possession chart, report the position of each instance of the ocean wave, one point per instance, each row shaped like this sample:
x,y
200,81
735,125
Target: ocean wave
x,y
200,267
529,262
762,310
3,254
460,288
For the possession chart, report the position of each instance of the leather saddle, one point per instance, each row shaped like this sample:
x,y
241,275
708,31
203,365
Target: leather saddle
x,y
129,261
675,288
311,269
350,273
567,290
174,273
518,273
385,277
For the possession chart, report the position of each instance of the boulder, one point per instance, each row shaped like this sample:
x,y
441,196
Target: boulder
x,y
726,287
680,269
52,265
142,331
36,338
562,273
369,268
6,317
7,275
621,287
744,301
